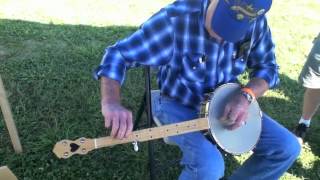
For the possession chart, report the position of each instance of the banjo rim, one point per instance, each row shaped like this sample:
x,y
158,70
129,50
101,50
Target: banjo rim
x,y
213,135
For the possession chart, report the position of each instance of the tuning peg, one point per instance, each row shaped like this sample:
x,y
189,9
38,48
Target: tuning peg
x,y
135,146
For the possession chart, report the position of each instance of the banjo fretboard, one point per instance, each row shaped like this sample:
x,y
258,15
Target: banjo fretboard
x,y
66,148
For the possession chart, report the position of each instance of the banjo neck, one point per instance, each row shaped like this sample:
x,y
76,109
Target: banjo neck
x,y
157,132
66,148
227,140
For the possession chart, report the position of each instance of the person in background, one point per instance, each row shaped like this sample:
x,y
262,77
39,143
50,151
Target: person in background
x,y
310,80
199,45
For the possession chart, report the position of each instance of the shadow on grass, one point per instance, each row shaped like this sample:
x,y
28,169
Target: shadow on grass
x,y
292,112
287,111
312,172
47,70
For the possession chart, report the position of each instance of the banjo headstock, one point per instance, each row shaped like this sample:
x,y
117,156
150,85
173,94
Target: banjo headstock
x,y
66,148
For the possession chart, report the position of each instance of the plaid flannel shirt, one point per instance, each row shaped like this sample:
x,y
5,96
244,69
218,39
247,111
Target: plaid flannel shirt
x,y
191,62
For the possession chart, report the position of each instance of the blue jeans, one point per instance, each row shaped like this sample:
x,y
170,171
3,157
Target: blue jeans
x,y
275,152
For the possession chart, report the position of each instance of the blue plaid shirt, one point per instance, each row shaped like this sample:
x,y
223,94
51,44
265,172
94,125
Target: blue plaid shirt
x,y
191,62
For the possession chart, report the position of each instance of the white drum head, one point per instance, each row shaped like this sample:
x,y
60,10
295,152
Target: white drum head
x,y
242,139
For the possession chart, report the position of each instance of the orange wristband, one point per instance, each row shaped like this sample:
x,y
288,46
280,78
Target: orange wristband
x,y
249,91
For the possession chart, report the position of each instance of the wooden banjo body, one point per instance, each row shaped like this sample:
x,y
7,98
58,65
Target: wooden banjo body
x,y
238,141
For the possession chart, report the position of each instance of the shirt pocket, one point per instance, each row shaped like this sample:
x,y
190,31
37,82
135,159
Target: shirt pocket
x,y
194,67
239,66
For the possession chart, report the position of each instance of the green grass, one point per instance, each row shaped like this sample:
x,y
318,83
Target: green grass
x,y
46,62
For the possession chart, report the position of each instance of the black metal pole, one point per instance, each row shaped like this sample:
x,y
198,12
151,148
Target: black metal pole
x,y
140,112
149,118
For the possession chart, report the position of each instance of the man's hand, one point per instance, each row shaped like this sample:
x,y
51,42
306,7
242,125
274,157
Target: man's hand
x,y
235,112
119,118
115,115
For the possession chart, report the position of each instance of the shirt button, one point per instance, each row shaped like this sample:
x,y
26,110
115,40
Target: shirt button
x,y
194,67
234,54
201,60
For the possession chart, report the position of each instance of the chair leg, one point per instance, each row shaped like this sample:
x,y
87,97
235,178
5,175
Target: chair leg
x,y
143,108
151,160
140,112
150,121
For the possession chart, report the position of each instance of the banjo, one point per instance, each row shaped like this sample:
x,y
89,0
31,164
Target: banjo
x,y
238,141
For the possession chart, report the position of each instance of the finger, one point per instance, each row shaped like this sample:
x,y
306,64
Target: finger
x,y
240,121
122,126
245,116
234,126
115,126
225,113
233,115
107,122
129,125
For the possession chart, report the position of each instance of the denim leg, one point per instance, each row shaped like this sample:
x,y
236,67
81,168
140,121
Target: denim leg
x,y
201,159
275,152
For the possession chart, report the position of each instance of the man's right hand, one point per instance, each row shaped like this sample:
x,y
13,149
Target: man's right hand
x,y
119,118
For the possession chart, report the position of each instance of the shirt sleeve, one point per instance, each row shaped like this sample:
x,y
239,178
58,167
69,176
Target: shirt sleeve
x,y
262,58
150,45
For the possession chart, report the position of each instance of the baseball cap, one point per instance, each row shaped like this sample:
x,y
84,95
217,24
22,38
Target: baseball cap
x,y
232,18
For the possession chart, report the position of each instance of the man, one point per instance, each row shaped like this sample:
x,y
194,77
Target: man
x,y
199,45
310,79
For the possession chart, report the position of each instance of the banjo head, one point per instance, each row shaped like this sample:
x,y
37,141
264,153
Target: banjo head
x,y
242,139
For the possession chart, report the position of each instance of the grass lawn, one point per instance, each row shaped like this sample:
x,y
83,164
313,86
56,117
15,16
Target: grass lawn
x,y
48,51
